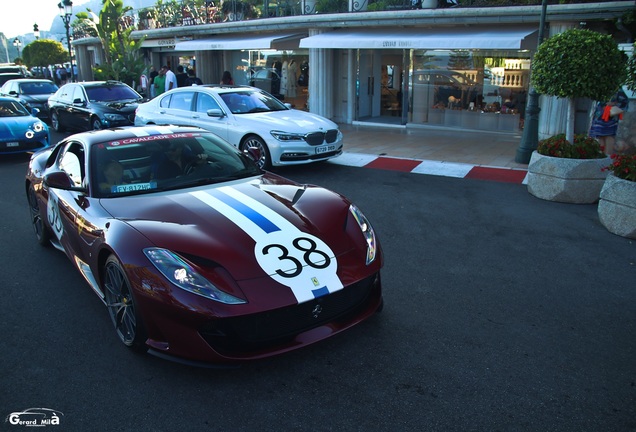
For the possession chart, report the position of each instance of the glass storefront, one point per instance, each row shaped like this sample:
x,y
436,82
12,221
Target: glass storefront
x,y
469,89
284,74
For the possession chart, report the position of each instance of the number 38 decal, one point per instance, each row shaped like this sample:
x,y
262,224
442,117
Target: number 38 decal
x,y
302,262
312,256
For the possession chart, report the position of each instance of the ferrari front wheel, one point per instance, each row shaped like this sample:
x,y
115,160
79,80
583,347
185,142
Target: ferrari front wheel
x,y
121,305
41,232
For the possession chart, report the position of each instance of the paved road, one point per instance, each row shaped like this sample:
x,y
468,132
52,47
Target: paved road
x,y
502,313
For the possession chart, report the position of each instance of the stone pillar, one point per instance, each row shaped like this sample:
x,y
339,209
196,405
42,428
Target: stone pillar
x,y
321,85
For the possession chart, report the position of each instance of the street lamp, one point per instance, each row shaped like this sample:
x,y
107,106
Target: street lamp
x,y
66,12
36,31
17,44
530,138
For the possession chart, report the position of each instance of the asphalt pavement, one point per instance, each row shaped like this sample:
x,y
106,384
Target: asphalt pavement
x,y
503,312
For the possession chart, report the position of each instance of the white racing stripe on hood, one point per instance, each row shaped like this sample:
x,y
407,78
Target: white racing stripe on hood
x,y
296,259
139,132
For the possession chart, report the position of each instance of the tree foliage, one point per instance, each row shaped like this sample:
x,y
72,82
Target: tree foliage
x,y
631,71
44,52
579,63
123,59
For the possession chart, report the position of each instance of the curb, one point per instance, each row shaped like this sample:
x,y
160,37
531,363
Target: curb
x,y
438,168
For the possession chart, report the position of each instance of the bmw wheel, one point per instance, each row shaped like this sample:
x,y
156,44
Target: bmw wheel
x,y
55,122
121,305
41,232
265,162
96,124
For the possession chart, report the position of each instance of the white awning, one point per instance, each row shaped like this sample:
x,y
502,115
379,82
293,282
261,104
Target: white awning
x,y
413,38
241,42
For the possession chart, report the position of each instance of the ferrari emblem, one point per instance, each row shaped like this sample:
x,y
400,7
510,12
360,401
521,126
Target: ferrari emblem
x,y
314,280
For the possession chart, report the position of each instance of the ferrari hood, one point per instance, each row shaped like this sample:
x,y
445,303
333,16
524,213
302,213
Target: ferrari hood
x,y
248,227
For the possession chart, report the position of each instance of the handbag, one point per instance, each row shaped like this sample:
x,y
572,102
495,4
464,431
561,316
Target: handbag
x,y
614,111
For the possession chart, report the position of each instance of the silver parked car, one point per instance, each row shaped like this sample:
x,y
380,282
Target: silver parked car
x,y
247,117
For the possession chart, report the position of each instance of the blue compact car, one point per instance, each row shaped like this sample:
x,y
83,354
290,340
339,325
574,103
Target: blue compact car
x,y
20,130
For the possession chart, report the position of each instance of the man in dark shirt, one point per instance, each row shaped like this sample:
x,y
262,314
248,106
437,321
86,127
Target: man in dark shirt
x,y
181,77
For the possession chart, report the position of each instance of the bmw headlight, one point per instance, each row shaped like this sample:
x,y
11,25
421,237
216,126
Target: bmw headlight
x,y
367,231
114,117
185,277
287,136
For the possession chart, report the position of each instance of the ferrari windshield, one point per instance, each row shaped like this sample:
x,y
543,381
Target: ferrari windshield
x,y
149,164
250,101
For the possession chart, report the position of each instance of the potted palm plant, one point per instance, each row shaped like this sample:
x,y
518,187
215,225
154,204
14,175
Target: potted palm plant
x,y
563,67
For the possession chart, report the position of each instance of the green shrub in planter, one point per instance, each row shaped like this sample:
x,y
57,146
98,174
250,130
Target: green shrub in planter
x,y
584,147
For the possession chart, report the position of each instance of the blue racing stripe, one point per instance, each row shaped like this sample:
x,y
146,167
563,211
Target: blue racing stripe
x,y
258,219
320,292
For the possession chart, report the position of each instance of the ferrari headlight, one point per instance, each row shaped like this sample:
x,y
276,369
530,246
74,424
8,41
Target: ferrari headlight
x,y
286,136
185,277
367,231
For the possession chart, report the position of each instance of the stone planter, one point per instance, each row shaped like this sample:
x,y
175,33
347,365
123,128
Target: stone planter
x,y
577,181
617,206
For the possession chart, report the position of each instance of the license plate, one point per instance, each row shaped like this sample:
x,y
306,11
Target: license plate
x,y
13,144
325,149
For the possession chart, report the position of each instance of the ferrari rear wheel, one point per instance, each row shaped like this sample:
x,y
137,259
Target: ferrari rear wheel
x,y
265,161
41,232
121,305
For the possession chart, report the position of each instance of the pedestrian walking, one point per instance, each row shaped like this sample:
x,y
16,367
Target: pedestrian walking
x,y
605,121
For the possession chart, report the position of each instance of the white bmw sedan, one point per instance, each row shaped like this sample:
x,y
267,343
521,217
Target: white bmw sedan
x,y
247,117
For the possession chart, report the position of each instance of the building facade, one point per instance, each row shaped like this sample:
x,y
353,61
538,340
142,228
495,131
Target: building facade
x,y
463,68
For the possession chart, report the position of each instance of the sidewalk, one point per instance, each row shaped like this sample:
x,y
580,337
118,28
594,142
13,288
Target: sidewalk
x,y
435,151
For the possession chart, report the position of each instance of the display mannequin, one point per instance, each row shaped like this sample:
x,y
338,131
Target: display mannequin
x,y
284,79
292,78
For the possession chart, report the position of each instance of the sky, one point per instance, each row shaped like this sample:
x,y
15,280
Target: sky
x,y
25,13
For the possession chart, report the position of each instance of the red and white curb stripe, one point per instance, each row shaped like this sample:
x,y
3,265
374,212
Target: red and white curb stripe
x,y
438,168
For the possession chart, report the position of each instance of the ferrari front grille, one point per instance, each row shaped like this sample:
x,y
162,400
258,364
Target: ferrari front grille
x,y
247,333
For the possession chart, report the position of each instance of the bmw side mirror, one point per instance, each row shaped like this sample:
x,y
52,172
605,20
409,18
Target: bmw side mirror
x,y
215,112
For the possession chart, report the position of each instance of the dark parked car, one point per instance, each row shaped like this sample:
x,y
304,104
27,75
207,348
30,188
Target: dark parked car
x,y
4,77
267,79
93,105
33,93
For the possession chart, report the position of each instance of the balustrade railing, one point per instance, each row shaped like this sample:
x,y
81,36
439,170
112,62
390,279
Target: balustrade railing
x,y
175,13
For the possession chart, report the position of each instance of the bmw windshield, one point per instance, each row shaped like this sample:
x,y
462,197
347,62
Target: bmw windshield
x,y
111,93
249,101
